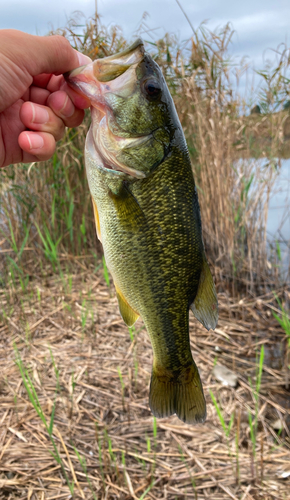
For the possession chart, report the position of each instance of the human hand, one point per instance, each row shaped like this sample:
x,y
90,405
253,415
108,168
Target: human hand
x,y
36,104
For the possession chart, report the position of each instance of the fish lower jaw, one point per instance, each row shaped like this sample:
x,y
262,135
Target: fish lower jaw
x,y
107,144
105,160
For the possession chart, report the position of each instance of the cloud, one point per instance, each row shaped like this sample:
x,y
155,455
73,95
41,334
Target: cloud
x,y
259,24
29,16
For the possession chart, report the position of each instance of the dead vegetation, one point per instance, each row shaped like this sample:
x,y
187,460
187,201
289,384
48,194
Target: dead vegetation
x,y
91,377
47,207
87,431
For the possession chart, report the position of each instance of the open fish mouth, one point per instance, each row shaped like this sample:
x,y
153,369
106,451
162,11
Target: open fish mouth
x,y
108,68
106,160
107,143
113,74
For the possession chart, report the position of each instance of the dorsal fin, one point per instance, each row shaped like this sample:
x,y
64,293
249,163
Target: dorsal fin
x,y
205,304
128,314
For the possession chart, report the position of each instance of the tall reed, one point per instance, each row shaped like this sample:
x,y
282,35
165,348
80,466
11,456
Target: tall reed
x,y
47,205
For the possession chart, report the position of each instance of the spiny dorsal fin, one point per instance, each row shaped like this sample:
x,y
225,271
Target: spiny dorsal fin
x,y
128,314
205,304
97,220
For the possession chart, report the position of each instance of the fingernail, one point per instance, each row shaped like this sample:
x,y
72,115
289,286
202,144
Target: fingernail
x,y
39,114
35,141
83,59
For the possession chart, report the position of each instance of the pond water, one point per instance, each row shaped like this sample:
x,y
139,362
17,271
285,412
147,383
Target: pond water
x,y
278,226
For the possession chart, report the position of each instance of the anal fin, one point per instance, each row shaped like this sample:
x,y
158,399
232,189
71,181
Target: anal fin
x,y
128,314
205,304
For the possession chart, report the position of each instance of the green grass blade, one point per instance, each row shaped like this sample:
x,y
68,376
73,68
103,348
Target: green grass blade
x,y
147,490
260,370
51,423
218,410
106,273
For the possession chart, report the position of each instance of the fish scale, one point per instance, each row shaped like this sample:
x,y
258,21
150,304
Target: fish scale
x,y
148,219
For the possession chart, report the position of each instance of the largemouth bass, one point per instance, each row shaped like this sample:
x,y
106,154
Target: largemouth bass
x,y
147,218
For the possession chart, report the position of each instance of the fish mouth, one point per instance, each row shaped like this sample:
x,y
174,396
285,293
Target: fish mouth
x,y
108,68
113,74
101,145
109,145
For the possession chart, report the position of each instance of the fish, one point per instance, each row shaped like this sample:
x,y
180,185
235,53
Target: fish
x,y
147,217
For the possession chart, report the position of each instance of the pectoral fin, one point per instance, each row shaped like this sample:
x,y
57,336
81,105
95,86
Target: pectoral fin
x,y
205,304
130,214
97,220
128,314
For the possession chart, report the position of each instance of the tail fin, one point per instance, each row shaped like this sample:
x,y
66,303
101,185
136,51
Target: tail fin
x,y
181,394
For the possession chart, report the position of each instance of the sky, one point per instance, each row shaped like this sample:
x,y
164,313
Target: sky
x,y
259,24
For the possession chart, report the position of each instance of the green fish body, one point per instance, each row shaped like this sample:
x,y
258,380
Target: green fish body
x,y
148,219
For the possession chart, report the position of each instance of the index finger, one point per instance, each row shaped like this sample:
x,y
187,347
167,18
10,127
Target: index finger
x,y
48,81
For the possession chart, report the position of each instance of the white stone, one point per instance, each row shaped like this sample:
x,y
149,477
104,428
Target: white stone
x,y
225,376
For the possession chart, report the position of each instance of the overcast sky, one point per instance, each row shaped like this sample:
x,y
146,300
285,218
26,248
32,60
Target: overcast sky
x,y
259,24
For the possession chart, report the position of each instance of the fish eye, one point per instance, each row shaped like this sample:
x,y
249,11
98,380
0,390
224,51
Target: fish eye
x,y
152,89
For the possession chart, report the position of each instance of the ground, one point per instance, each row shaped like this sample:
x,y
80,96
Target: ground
x,y
80,407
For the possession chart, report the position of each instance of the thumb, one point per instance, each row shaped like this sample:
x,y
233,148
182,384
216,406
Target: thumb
x,y
54,55
40,54
23,56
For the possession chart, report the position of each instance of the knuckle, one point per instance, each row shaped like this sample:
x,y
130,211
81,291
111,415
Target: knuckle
x,y
76,119
60,131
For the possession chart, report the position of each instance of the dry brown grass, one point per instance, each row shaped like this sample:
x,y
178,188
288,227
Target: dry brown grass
x,y
233,193
52,313
111,427
52,195
234,188
234,160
